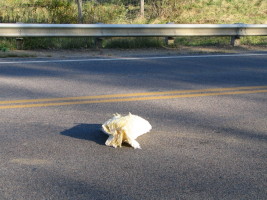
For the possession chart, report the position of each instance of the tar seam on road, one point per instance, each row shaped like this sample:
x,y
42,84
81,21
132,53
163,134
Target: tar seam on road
x,y
30,103
129,58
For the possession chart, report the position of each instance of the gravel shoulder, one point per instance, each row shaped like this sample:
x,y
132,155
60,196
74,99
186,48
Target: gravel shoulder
x,y
182,50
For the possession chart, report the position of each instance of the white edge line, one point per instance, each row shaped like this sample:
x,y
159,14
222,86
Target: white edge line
x,y
129,58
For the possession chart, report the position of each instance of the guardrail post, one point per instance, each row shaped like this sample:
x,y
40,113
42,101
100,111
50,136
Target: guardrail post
x,y
98,40
19,43
235,41
19,40
169,40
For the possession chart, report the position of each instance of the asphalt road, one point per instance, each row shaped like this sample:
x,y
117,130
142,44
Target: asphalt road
x,y
208,141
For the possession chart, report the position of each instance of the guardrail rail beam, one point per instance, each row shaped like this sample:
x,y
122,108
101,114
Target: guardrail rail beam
x,y
21,30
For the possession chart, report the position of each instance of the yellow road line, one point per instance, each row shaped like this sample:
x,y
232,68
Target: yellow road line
x,y
129,95
132,99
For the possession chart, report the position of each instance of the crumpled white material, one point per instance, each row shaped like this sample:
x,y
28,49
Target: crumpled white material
x,y
125,129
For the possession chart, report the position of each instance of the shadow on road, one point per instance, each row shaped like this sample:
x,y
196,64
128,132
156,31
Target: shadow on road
x,y
90,132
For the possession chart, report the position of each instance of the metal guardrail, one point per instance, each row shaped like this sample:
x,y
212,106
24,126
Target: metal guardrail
x,y
169,31
131,30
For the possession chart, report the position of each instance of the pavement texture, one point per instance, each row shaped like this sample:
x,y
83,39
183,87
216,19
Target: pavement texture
x,y
208,137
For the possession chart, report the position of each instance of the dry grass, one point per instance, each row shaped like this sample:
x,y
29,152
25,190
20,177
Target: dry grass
x,y
177,11
211,11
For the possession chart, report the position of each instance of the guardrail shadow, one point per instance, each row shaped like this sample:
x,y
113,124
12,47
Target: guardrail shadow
x,y
91,132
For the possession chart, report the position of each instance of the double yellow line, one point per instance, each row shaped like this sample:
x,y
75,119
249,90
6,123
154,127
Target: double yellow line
x,y
30,103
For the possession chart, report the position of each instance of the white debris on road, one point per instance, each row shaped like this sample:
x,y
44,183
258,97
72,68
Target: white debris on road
x,y
125,129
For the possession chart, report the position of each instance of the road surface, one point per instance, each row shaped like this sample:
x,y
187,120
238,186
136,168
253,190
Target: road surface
x,y
208,141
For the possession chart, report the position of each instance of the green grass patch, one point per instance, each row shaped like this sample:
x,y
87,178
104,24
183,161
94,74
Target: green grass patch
x,y
7,44
15,55
254,40
131,43
219,41
58,42
202,41
157,42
